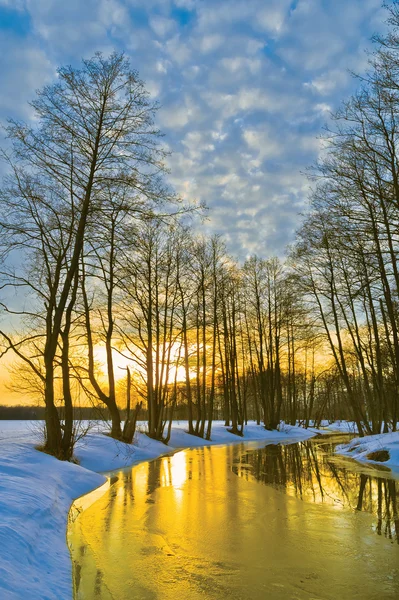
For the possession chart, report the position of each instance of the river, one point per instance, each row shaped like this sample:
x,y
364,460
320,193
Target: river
x,y
242,522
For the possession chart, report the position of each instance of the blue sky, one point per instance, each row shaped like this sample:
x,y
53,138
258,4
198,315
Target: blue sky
x,y
245,88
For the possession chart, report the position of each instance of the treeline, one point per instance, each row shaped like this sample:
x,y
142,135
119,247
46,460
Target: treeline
x,y
110,272
21,413
104,260
37,413
346,256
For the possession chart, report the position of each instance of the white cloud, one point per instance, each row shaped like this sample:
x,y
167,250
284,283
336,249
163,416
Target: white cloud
x,y
243,100
153,87
113,13
237,64
180,114
272,16
327,82
162,66
178,51
209,43
187,4
323,108
162,26
254,45
262,143
28,69
197,144
244,85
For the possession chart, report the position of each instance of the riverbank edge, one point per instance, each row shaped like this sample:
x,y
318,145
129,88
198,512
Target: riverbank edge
x,y
360,448
83,502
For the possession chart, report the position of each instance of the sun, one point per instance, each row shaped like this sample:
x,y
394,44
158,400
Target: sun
x,y
122,362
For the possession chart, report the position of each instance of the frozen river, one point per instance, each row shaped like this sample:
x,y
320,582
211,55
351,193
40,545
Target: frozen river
x,y
242,522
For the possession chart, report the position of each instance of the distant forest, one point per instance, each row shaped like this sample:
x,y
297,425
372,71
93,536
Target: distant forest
x,y
35,413
30,413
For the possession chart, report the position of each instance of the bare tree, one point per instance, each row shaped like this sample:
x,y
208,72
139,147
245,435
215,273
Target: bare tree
x,y
94,129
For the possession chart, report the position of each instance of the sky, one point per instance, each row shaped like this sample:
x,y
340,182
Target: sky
x,y
245,88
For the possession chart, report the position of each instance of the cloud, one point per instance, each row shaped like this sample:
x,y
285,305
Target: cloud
x,y
209,43
162,26
244,87
27,69
177,50
182,112
272,17
327,82
18,5
262,143
240,65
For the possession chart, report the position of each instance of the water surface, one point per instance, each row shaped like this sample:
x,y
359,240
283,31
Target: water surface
x,y
243,522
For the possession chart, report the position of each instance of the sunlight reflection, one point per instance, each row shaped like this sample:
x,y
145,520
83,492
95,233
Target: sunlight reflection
x,y
178,463
185,526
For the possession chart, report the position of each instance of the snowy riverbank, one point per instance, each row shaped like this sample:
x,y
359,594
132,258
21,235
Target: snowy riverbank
x,y
36,492
380,449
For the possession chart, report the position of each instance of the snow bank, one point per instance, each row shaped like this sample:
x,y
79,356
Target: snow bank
x,y
99,452
361,448
343,426
36,492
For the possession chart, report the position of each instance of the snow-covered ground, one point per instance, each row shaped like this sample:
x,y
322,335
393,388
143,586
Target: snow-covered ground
x,y
36,492
362,449
342,426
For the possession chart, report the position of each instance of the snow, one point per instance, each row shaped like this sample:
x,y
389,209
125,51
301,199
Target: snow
x,y
343,426
99,453
37,490
360,448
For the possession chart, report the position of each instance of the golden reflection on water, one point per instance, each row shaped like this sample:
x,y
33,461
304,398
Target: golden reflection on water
x,y
311,472
200,524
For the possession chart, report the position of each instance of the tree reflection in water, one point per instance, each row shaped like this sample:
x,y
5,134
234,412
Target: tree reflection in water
x,y
185,526
309,470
